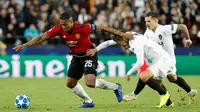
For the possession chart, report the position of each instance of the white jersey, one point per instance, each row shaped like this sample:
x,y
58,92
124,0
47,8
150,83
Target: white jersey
x,y
163,36
144,47
162,64
148,48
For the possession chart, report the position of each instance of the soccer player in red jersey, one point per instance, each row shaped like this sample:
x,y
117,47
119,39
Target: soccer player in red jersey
x,y
76,37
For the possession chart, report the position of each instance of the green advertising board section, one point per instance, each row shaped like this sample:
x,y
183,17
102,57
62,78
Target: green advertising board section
x,y
56,66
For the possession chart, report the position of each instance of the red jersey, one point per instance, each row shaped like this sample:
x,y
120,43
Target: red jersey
x,y
78,39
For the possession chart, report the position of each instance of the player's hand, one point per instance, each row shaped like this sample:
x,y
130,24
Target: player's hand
x,y
188,43
128,78
19,47
91,52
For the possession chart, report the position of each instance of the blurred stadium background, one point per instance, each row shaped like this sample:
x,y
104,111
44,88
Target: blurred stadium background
x,y
22,20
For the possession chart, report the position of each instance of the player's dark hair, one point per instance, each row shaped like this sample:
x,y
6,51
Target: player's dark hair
x,y
152,14
65,16
116,38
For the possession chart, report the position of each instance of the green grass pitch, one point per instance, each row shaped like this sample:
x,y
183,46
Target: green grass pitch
x,y
51,95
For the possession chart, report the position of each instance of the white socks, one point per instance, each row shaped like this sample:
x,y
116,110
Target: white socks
x,y
79,91
100,83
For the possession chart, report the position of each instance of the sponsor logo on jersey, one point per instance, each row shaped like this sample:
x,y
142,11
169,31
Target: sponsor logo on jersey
x,y
71,43
77,35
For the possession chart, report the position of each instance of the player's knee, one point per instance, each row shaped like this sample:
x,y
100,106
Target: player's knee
x,y
144,77
90,80
90,84
70,85
172,78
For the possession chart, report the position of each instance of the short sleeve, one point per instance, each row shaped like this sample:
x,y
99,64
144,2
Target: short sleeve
x,y
53,31
171,29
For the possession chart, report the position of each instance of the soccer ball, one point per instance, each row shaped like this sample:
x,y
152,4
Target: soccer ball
x,y
22,101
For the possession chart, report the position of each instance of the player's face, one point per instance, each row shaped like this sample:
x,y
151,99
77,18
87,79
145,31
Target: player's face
x,y
151,22
66,25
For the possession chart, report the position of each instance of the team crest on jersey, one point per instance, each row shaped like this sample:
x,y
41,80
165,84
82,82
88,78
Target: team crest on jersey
x,y
77,35
160,36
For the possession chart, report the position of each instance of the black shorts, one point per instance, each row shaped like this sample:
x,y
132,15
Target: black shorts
x,y
82,65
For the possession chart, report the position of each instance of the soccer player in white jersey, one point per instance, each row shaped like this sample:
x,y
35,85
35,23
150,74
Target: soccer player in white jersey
x,y
162,34
162,64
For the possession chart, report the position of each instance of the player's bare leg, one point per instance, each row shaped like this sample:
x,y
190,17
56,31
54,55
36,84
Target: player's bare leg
x,y
183,84
91,81
147,78
79,91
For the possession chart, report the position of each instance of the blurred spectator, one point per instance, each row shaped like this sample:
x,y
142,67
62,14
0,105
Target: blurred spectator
x,y
12,4
20,28
163,19
113,16
75,10
32,15
101,19
44,8
136,28
177,18
10,34
83,16
43,22
127,16
18,15
197,22
11,18
60,8
188,17
93,14
141,11
2,45
193,33
31,32
54,18
3,20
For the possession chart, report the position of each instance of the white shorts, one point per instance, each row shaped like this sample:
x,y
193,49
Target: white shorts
x,y
162,68
174,68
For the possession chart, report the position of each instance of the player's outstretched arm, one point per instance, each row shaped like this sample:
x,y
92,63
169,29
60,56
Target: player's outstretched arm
x,y
114,31
91,52
183,28
140,61
34,41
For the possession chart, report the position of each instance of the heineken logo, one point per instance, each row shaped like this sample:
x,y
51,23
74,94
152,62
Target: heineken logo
x,y
51,66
